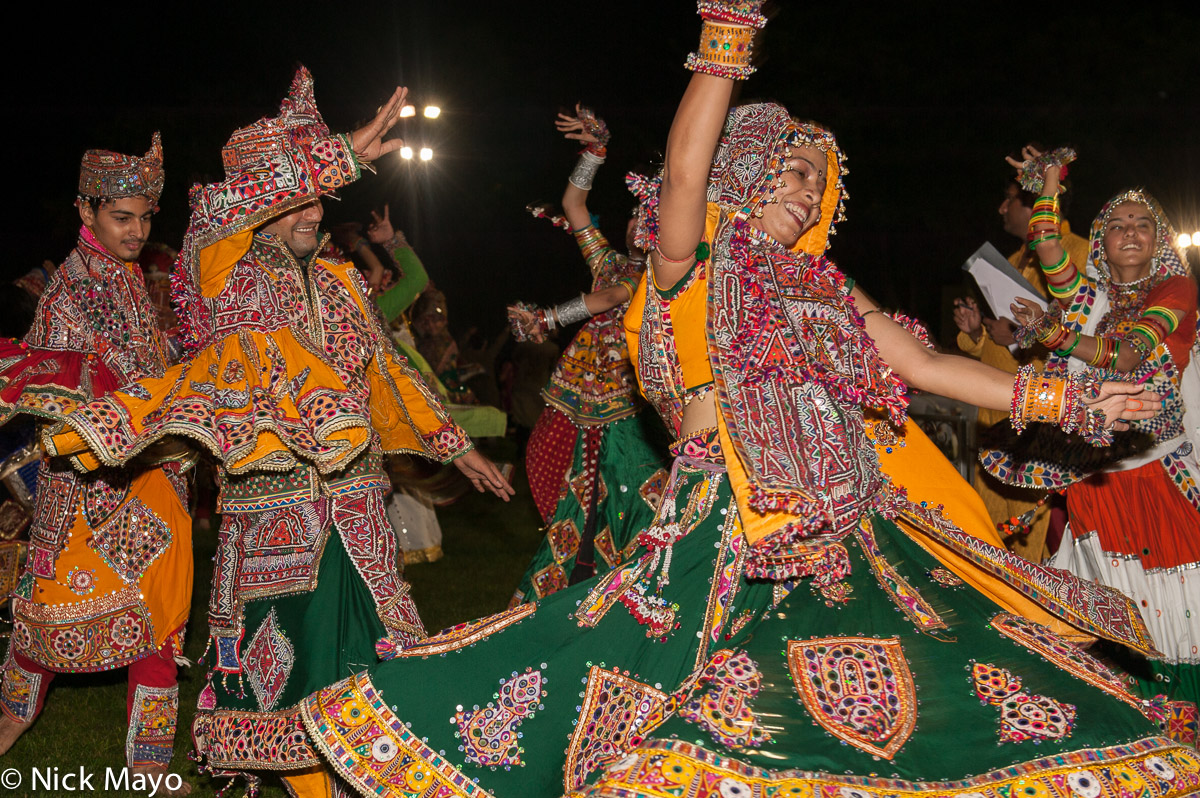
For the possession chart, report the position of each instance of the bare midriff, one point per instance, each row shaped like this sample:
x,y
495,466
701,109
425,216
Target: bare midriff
x,y
699,414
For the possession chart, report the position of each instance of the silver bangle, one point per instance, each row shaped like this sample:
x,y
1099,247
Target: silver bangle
x,y
571,311
585,170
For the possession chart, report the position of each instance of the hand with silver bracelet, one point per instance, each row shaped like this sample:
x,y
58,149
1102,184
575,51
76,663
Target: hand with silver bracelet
x,y
531,323
585,126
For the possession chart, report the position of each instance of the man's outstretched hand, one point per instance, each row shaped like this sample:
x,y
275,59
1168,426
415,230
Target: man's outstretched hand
x,y
483,474
368,140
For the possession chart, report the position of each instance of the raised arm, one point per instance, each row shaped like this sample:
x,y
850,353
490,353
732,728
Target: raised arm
x,y
588,128
1042,173
723,56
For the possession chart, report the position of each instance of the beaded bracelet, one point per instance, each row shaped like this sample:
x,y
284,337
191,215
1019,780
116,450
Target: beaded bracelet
x,y
724,51
595,126
1033,171
737,12
518,330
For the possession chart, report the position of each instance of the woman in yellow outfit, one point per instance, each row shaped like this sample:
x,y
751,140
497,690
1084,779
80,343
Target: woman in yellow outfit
x,y
793,622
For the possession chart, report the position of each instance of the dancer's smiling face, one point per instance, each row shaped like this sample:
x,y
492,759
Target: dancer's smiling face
x,y
1129,236
798,202
298,228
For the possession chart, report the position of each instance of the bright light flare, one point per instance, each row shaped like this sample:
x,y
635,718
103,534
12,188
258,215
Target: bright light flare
x,y
432,112
426,154
408,110
406,153
1184,241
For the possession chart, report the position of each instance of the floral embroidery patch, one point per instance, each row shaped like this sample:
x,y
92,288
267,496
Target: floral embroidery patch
x,y
617,713
723,709
859,689
1023,716
489,734
81,581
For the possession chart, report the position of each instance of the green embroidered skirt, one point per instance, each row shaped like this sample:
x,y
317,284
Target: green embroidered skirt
x,y
303,594
629,475
675,675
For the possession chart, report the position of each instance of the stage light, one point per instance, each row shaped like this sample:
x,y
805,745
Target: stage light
x,y
426,154
1196,239
408,110
406,153
432,112
1184,240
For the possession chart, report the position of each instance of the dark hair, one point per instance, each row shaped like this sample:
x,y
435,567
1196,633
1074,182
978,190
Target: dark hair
x,y
1027,198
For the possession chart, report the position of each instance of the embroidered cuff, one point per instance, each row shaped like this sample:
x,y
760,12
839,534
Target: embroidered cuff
x,y
334,163
447,443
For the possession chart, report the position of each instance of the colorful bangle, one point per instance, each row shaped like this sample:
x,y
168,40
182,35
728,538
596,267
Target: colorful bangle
x,y
1043,238
590,241
1067,352
1055,337
1153,328
1104,352
1036,397
1056,400
1116,354
1059,267
724,51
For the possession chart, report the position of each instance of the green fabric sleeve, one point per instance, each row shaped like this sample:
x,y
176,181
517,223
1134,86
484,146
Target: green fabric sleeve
x,y
397,299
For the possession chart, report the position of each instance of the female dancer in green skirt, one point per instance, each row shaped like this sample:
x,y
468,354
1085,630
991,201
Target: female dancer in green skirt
x,y
793,623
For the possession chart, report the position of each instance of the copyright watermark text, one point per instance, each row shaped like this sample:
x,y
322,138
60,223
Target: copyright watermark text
x,y
80,780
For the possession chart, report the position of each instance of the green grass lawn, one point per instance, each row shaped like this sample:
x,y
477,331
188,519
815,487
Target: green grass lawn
x,y
487,546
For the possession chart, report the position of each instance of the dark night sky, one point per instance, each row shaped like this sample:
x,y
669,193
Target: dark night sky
x,y
926,99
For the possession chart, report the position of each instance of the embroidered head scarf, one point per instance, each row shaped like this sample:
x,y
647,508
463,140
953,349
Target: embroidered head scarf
x,y
110,175
792,364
